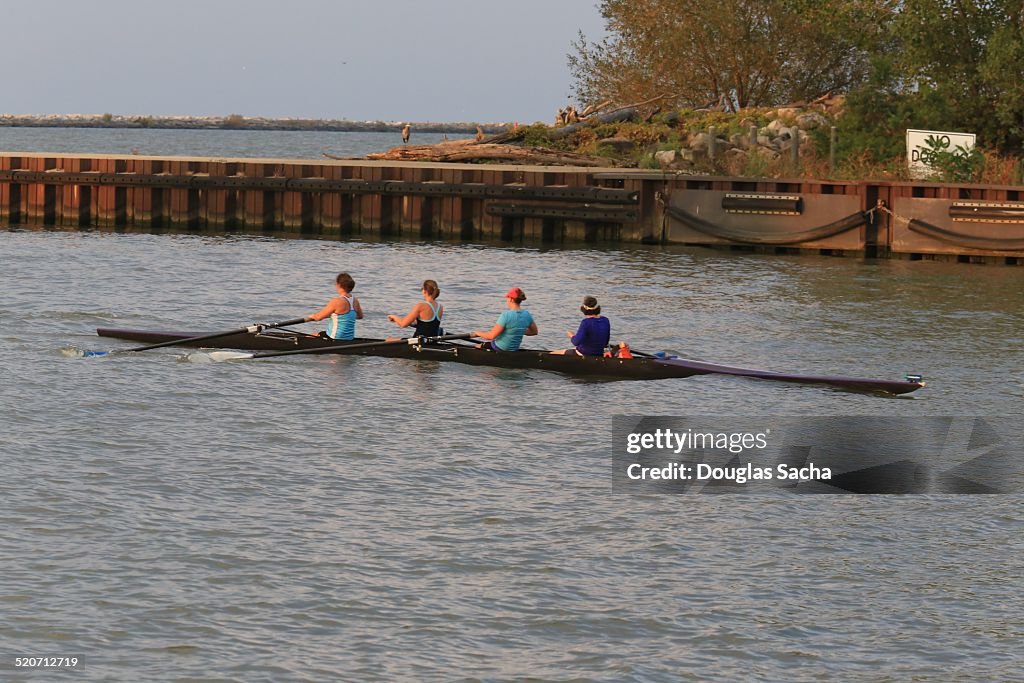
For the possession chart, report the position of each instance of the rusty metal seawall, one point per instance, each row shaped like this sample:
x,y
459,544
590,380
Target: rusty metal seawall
x,y
915,220
329,198
517,204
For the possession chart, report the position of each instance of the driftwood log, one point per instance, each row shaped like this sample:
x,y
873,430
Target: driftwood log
x,y
470,151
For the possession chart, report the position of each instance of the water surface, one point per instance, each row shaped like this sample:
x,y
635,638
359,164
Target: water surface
x,y
315,518
280,144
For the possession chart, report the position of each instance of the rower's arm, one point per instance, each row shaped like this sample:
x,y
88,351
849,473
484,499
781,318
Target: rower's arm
x,y
324,312
494,332
531,330
407,320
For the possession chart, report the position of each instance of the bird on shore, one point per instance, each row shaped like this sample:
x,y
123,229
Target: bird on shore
x,y
405,133
479,134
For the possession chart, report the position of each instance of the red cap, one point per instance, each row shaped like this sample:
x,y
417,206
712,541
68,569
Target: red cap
x,y
515,293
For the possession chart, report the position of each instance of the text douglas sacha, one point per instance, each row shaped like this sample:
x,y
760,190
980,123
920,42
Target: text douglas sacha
x,y
742,474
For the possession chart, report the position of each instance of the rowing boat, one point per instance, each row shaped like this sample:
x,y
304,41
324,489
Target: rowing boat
x,y
637,368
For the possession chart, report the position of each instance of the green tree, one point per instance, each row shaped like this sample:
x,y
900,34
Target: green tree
x,y
738,52
877,115
1002,69
970,52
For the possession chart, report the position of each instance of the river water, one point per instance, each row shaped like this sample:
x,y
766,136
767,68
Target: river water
x,y
317,518
207,143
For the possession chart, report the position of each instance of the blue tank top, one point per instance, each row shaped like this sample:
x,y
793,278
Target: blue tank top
x,y
515,323
431,327
343,326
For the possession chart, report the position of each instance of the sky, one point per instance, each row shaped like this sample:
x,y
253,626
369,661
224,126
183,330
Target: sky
x,y
392,60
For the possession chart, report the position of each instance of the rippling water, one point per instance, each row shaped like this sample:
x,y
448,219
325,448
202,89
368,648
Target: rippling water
x,y
207,143
369,519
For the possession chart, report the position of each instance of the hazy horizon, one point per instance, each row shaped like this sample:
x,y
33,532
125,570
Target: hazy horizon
x,y
464,60
90,116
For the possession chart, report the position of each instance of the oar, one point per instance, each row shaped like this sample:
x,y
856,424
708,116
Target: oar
x,y
411,341
251,329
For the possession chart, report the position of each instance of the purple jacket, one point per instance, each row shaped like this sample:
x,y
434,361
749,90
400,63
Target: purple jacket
x,y
592,336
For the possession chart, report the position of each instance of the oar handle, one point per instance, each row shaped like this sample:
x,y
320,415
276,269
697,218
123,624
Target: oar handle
x,y
283,323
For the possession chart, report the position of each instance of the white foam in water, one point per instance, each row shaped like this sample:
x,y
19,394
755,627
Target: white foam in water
x,y
219,356
213,356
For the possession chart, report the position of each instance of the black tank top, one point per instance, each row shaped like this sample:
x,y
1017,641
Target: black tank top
x,y
432,327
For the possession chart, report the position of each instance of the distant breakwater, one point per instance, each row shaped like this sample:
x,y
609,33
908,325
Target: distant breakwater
x,y
237,122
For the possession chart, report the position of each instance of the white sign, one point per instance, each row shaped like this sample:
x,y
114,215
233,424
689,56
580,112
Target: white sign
x,y
918,148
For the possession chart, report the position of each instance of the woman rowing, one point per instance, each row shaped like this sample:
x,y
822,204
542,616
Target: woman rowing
x,y
507,333
594,331
343,310
426,314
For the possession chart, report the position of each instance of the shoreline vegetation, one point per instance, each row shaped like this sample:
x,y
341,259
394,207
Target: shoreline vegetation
x,y
809,140
927,65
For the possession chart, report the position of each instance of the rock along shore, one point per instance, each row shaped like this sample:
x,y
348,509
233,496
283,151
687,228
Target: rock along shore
x,y
235,122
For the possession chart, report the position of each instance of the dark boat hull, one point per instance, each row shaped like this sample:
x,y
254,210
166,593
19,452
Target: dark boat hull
x,y
640,368
604,368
